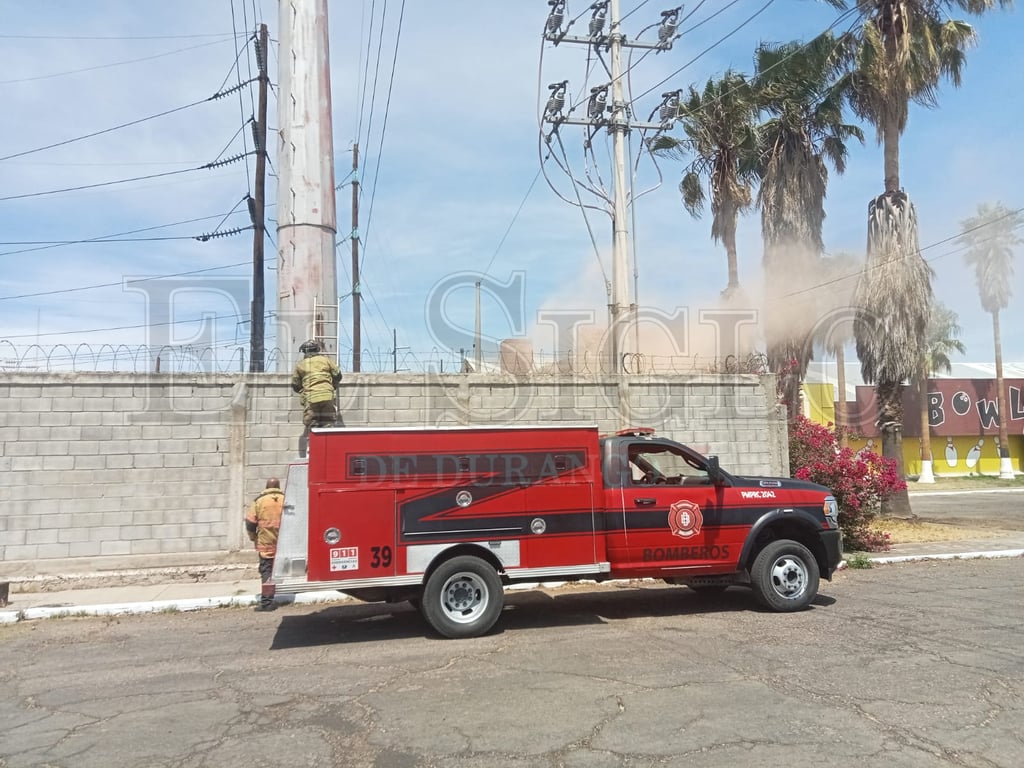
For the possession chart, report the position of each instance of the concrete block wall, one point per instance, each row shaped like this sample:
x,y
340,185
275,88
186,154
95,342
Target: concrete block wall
x,y
108,470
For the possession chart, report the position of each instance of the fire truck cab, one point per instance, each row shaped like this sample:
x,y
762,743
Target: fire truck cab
x,y
445,517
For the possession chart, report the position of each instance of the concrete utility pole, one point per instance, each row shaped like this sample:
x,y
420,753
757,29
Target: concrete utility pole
x,y
257,351
357,345
307,303
616,117
618,125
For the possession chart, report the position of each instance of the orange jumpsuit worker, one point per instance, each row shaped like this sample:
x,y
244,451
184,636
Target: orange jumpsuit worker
x,y
262,523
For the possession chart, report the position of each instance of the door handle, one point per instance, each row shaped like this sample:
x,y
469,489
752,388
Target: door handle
x,y
644,502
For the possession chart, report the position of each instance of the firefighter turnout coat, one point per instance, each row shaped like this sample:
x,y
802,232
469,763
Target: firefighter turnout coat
x,y
264,521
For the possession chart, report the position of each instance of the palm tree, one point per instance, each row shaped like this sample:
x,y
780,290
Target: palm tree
x,y
893,301
990,238
941,341
804,132
899,55
721,144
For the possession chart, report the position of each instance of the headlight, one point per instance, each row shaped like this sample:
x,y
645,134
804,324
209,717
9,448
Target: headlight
x,y
831,510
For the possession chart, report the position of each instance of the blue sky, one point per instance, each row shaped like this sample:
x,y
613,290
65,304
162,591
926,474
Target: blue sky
x,y
440,190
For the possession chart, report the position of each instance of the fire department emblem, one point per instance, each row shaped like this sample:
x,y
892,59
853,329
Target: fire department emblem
x,y
685,519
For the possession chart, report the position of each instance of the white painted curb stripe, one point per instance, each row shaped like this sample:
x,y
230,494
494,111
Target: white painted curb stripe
x,y
958,556
156,606
915,494
313,598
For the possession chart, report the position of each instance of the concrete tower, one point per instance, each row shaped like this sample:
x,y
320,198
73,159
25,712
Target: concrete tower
x,y
307,282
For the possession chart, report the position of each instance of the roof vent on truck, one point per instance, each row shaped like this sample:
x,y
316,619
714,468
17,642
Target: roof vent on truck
x,y
635,432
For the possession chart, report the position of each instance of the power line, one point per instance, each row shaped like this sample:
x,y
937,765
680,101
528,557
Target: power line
x,y
108,164
711,47
514,217
380,146
238,78
376,73
111,64
384,127
701,23
933,259
117,237
220,93
365,66
114,37
201,319
838,20
122,282
637,8
208,166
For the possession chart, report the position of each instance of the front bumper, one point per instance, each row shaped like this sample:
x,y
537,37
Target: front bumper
x,y
833,541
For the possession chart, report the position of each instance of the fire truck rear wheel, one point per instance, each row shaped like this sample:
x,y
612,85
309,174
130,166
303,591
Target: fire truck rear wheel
x,y
463,597
785,576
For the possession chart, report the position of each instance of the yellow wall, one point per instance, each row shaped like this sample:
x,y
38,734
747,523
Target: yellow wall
x,y
963,460
819,403
819,406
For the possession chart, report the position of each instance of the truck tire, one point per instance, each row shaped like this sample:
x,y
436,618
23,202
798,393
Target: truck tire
x,y
785,576
463,597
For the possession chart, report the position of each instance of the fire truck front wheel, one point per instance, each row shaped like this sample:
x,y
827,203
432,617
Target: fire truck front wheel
x,y
463,597
785,576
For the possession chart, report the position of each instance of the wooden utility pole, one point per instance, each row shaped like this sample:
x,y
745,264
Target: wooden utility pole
x,y
356,341
259,131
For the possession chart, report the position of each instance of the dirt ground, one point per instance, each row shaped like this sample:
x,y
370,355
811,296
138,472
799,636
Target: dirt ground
x,y
911,531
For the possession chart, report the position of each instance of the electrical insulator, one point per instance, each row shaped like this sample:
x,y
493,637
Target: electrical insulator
x,y
555,18
597,20
667,30
553,109
256,135
669,109
598,102
261,57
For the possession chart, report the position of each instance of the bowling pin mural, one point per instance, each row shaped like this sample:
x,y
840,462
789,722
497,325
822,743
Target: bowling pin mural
x,y
951,457
974,454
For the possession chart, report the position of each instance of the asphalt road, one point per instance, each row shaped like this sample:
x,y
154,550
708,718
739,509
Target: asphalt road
x,y
899,666
1002,509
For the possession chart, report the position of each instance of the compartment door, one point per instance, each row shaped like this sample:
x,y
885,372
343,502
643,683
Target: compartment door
x,y
560,526
366,521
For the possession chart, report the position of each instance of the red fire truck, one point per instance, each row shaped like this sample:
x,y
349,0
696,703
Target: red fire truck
x,y
445,517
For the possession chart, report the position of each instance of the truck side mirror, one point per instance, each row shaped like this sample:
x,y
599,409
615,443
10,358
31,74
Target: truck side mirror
x,y
714,471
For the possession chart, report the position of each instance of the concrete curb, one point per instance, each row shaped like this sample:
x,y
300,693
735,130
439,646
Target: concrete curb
x,y
314,598
954,556
973,491
158,606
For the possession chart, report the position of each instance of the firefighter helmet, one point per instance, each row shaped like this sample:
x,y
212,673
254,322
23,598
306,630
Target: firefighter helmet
x,y
310,347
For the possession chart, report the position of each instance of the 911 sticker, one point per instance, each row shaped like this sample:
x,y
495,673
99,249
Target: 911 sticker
x,y
345,559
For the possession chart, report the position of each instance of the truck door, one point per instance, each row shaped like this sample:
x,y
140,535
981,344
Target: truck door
x,y
673,512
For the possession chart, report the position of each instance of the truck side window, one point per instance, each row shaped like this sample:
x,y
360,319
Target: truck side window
x,y
654,464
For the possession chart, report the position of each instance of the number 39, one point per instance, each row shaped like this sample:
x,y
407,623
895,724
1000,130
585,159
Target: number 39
x,y
381,557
